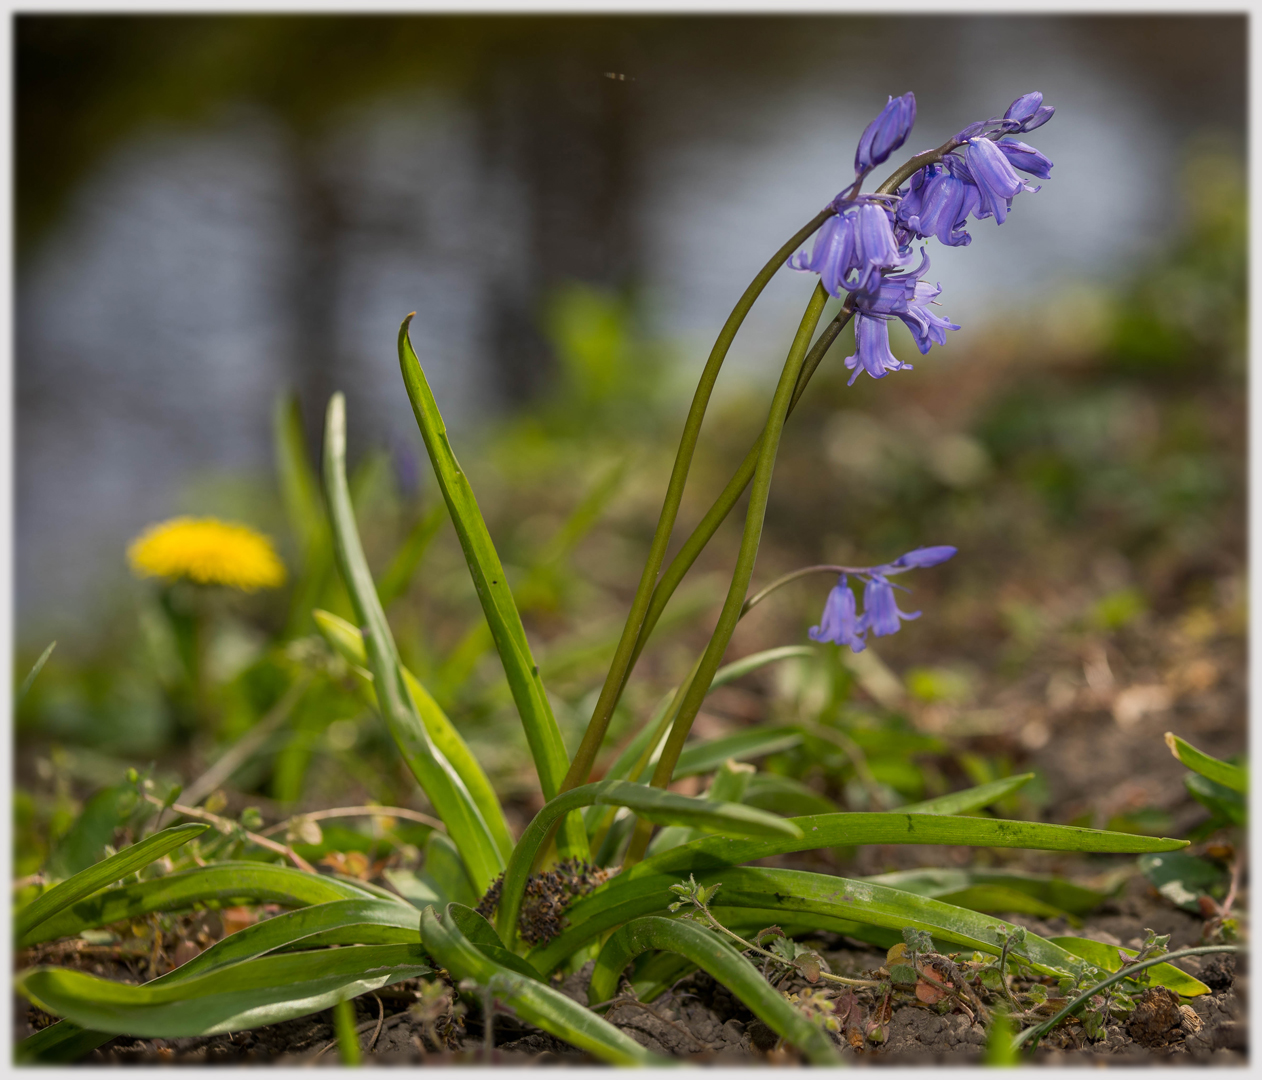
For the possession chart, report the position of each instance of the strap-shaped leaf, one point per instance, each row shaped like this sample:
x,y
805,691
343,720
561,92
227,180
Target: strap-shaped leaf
x,y
1060,896
795,893
341,922
348,642
736,974
751,743
304,509
535,1002
827,830
1106,958
542,733
246,995
438,779
97,877
1221,772
651,804
224,882
482,936
36,668
974,798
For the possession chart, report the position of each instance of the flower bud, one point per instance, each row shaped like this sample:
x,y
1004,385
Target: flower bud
x,y
886,133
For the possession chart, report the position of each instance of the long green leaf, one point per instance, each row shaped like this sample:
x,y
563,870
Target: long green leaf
x,y
348,642
732,971
535,1002
817,897
438,779
542,733
36,668
623,765
482,936
784,795
223,882
246,995
730,784
832,830
97,877
974,798
342,922
1221,772
1106,958
353,918
651,804
751,743
58,1044
943,884
300,495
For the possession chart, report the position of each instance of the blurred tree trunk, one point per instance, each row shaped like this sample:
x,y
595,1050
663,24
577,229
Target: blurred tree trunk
x,y
314,280
559,124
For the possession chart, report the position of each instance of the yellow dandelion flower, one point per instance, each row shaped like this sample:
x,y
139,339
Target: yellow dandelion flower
x,y
209,552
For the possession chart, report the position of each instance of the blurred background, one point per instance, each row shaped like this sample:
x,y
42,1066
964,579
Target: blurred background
x,y
221,220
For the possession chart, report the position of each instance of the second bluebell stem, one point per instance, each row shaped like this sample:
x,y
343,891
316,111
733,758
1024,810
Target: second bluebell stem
x,y
751,538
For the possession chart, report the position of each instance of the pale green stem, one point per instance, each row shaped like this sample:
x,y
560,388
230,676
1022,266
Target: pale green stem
x,y
717,514
585,756
728,617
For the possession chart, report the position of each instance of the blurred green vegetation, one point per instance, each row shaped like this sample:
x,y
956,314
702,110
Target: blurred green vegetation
x,y
1093,483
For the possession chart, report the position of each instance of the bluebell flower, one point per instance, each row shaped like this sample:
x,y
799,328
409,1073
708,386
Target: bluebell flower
x,y
839,623
875,248
833,253
995,178
907,297
880,609
872,349
937,202
886,133
851,249
1026,158
1029,111
921,557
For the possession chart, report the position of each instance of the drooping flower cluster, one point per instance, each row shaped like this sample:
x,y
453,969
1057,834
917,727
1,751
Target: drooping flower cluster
x,y
841,622
863,251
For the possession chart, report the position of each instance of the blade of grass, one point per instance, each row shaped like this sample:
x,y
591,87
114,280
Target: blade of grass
x,y
753,742
35,670
1106,958
250,882
806,896
1064,896
1230,776
439,780
542,733
535,1002
47,905
974,798
246,995
304,509
732,971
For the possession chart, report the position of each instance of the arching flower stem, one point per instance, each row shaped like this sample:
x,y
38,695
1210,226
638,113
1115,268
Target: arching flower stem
x,y
760,489
594,736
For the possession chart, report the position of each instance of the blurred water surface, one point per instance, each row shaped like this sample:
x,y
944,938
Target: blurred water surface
x,y
199,266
